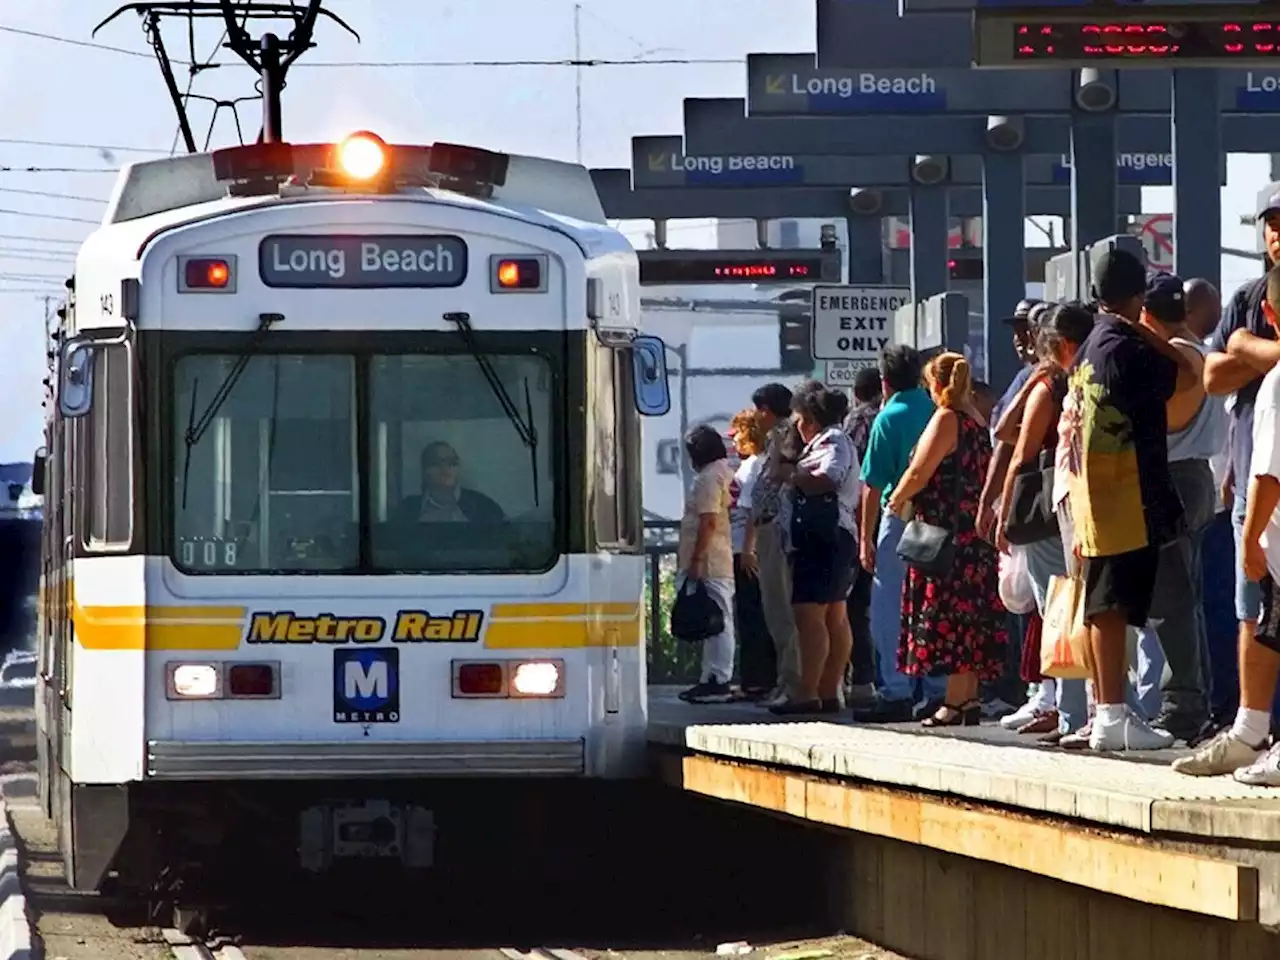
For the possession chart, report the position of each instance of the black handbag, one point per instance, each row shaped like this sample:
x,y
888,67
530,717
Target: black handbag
x,y
928,548
1031,515
695,615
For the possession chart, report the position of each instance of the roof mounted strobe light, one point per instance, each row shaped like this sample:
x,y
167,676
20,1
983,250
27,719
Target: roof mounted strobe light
x,y
363,155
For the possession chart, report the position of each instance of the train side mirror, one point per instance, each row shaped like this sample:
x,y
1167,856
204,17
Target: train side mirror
x,y
39,462
652,392
75,379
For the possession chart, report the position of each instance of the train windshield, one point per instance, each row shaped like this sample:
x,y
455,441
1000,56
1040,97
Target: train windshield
x,y
374,464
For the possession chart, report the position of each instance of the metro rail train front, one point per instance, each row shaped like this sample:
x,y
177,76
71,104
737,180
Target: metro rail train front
x,y
343,520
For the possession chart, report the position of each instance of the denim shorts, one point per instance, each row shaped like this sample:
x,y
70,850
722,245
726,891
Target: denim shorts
x,y
1248,593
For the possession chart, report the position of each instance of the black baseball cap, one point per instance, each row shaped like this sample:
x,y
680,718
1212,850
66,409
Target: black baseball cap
x,y
1165,299
1022,312
1119,276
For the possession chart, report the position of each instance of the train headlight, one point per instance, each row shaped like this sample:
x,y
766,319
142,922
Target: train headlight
x,y
362,156
537,678
193,681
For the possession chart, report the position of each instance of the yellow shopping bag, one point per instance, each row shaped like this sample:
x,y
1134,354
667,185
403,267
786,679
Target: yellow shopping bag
x,y
1064,643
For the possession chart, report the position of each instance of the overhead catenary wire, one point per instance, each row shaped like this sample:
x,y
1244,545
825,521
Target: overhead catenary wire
x,y
4,211
35,256
111,170
29,238
67,145
391,64
52,195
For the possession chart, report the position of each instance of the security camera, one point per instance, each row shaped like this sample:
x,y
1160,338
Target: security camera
x,y
929,170
1096,93
1005,134
865,202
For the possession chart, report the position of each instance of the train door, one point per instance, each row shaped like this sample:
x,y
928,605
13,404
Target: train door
x,y
47,474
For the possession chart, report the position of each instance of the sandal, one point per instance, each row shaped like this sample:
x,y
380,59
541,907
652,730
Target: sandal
x,y
968,714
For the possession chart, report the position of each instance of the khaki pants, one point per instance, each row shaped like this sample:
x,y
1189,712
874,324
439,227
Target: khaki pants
x,y
775,597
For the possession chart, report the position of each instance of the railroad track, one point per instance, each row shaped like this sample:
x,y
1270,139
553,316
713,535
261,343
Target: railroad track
x,y
184,947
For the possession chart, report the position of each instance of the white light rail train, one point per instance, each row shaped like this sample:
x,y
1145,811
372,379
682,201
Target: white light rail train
x,y
343,517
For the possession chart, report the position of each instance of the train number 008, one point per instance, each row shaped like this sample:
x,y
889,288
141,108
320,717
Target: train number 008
x,y
208,553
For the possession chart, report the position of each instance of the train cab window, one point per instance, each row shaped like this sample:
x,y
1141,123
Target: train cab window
x,y
272,483
615,497
109,451
455,486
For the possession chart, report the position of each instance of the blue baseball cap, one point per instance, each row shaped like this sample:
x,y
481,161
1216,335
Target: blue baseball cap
x,y
1165,299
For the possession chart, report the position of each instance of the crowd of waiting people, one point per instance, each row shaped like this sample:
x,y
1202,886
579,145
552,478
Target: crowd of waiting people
x,y
857,550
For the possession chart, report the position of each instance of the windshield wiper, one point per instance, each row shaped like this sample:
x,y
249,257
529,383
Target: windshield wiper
x,y
527,431
197,426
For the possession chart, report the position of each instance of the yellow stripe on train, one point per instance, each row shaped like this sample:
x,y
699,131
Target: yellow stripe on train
x,y
511,626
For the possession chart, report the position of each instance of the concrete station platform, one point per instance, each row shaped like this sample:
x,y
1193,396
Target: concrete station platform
x,y
1102,842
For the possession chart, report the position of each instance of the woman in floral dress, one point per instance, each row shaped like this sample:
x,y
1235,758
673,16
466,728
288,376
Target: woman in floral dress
x,y
953,625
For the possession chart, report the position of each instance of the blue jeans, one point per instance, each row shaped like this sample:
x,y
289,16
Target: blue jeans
x,y
886,621
1217,568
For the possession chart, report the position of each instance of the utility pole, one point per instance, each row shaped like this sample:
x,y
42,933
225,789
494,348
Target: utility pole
x,y
577,76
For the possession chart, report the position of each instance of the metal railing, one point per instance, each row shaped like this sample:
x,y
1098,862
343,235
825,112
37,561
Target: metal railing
x,y
670,661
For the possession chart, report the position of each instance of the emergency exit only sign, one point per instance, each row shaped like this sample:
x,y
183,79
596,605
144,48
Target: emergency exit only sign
x,y
852,325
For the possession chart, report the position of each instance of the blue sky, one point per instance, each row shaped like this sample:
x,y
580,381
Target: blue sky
x,y
67,93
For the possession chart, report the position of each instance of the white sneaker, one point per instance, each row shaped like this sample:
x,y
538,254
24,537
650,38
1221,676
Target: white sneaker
x,y
1264,771
1131,733
1225,753
1024,714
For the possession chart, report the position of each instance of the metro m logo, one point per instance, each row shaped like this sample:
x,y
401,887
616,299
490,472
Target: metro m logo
x,y
366,682
366,685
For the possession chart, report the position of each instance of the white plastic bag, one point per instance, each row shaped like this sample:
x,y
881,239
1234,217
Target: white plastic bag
x,y
1015,582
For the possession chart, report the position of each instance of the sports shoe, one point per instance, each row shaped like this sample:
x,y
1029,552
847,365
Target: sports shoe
x,y
1263,772
1025,714
1225,753
709,691
1131,733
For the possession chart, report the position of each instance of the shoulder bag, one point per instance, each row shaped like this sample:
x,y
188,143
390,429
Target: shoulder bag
x,y
1031,515
928,548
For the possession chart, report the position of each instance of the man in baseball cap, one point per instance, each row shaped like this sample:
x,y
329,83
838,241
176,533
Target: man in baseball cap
x,y
1239,374
1024,345
1123,504
1197,427
1120,284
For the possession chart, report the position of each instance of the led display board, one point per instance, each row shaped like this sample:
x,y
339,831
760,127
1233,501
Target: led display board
x,y
1122,39
739,266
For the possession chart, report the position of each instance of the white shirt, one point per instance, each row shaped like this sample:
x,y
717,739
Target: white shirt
x,y
1266,458
831,454
744,482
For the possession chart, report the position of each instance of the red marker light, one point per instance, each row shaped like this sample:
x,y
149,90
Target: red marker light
x,y
251,680
517,273
481,679
203,274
